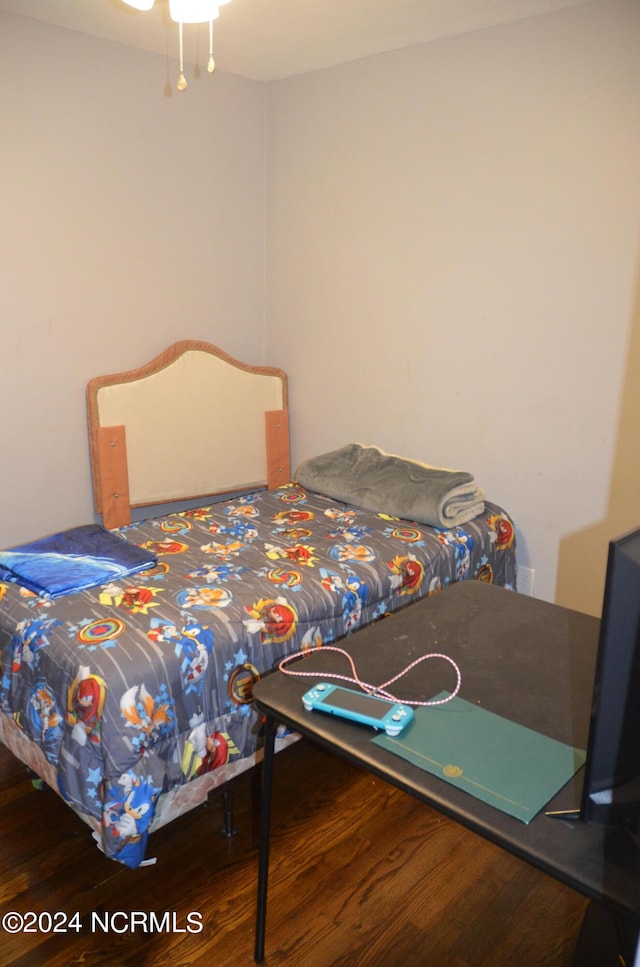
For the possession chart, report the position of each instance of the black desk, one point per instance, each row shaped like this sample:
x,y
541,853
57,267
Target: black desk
x,y
524,659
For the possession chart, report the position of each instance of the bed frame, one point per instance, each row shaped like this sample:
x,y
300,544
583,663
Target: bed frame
x,y
157,416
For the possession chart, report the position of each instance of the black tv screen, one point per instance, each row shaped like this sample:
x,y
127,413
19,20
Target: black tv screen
x,y
611,790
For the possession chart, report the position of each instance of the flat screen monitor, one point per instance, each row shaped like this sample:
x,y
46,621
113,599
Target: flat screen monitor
x,y
611,792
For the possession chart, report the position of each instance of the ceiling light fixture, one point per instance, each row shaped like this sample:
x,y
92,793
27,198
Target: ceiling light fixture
x,y
188,12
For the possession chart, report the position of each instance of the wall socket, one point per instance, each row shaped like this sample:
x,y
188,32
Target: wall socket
x,y
526,578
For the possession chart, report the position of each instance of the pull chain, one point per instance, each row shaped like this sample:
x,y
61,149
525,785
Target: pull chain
x,y
182,80
211,65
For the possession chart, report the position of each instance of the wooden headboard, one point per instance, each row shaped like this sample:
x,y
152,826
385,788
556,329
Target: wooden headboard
x,y
191,423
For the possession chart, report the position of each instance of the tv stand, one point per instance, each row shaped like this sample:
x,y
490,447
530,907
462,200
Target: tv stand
x,y
622,809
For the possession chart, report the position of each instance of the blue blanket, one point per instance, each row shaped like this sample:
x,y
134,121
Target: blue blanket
x,y
73,560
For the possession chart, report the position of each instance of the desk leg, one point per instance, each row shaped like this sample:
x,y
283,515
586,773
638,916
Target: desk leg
x,y
265,828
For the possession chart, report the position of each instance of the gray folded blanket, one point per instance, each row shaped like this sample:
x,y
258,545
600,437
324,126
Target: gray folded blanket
x,y
378,481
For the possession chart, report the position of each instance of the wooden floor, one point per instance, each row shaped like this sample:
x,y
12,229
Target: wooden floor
x,y
361,875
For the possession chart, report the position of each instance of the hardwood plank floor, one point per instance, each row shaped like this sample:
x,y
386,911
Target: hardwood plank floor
x,y
361,875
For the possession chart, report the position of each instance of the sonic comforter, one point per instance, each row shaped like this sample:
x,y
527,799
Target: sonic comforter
x,y
143,684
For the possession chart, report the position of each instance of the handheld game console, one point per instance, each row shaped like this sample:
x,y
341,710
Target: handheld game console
x,y
379,713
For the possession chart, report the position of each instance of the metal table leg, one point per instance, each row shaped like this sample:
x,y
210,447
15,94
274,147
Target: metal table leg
x,y
265,826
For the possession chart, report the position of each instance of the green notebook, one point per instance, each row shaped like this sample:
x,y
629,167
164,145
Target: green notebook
x,y
504,764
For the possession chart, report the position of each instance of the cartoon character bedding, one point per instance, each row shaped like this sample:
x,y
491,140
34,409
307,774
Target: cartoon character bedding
x,y
127,693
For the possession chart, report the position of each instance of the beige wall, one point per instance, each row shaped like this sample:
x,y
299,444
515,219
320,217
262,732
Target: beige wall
x,y
453,248
583,554
129,220
452,259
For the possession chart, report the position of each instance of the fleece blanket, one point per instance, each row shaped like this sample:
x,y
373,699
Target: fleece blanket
x,y
73,560
378,481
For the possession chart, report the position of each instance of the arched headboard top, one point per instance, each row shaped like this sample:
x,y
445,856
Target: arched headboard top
x,y
192,422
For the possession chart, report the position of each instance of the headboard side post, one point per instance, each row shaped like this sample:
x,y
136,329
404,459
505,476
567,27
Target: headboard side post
x,y
278,455
114,478
93,423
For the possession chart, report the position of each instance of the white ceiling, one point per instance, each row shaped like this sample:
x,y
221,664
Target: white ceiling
x,y
271,39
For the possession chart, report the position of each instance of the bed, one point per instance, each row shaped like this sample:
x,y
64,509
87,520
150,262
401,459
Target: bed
x,y
131,696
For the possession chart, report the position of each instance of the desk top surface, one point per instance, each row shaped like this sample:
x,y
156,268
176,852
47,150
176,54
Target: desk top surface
x,y
527,660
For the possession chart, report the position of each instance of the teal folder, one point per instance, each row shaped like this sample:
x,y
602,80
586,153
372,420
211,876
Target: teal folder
x,y
498,761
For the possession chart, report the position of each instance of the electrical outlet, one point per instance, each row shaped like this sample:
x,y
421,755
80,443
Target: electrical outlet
x,y
526,577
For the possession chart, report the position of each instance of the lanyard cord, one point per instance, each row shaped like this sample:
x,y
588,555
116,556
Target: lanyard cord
x,y
379,690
